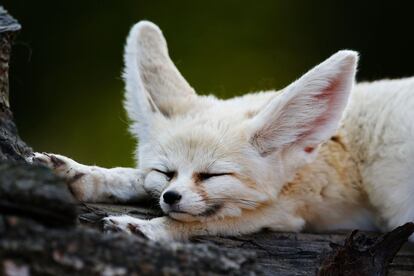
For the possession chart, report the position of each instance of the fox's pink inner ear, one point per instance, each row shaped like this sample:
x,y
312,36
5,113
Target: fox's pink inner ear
x,y
308,111
330,97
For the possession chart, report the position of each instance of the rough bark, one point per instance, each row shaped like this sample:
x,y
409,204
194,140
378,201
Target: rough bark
x,y
293,254
11,146
289,254
364,255
35,192
43,232
84,250
25,245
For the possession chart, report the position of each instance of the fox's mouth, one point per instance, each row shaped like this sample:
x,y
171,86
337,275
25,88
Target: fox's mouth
x,y
211,210
187,216
178,212
182,216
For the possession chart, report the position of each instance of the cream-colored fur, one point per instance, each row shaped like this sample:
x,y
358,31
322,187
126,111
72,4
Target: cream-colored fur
x,y
320,154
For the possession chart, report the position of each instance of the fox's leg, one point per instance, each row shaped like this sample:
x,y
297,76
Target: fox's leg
x,y
167,229
95,184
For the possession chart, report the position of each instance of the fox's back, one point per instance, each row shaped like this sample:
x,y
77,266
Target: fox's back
x,y
378,125
379,113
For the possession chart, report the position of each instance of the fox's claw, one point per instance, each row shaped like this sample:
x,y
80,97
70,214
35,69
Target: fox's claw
x,y
126,224
50,160
64,167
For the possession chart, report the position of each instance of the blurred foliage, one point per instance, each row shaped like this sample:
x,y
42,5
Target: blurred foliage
x,y
66,89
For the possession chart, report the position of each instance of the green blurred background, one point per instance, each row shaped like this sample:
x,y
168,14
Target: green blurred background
x,y
66,89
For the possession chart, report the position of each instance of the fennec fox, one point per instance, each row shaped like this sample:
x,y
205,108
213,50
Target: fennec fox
x,y
320,154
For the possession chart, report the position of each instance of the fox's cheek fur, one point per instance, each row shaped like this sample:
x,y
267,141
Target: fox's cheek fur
x,y
235,193
217,198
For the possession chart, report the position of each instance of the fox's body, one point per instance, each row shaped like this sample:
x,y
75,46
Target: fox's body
x,y
362,177
378,128
321,154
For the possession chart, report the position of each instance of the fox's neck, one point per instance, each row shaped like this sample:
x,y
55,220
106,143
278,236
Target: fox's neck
x,y
331,182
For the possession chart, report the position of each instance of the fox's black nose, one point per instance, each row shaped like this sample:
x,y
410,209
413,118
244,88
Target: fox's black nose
x,y
171,197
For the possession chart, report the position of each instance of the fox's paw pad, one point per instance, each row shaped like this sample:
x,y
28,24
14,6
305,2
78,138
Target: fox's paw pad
x,y
126,224
50,160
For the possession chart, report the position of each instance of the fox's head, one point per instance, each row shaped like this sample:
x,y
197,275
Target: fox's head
x,y
207,158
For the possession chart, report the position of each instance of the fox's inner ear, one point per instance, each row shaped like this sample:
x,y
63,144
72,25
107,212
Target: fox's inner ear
x,y
153,83
309,110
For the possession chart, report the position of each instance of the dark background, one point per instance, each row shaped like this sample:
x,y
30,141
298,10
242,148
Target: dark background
x,y
66,89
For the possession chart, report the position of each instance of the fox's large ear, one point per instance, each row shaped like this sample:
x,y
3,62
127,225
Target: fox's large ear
x,y
154,86
308,111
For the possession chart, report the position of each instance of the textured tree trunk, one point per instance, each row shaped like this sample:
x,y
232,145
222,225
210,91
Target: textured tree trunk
x,y
11,146
43,231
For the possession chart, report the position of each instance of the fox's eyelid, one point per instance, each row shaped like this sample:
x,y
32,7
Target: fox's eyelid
x,y
205,176
168,174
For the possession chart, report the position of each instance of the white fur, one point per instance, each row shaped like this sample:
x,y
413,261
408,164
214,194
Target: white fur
x,y
380,125
269,157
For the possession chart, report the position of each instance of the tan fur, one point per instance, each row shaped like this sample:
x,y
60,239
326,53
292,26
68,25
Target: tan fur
x,y
332,182
249,182
77,189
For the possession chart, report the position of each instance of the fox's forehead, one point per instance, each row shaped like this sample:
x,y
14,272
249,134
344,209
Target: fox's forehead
x,y
237,108
195,146
202,142
230,112
215,133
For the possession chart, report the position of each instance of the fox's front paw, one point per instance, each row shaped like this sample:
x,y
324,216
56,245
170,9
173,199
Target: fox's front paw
x,y
58,163
149,229
64,167
125,224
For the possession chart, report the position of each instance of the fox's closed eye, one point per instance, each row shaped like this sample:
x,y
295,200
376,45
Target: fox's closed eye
x,y
168,174
205,176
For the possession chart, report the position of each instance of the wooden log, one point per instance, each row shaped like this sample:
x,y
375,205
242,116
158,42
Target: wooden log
x,y
284,254
33,248
364,255
35,192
